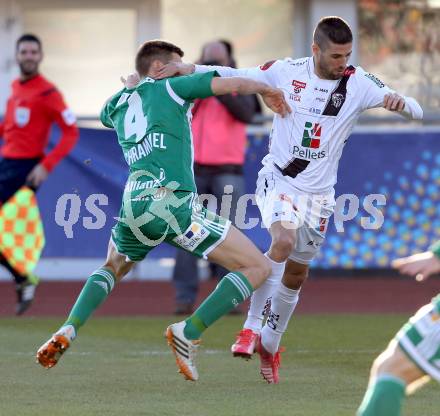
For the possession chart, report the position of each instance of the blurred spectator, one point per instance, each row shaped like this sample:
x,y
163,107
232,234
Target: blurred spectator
x,y
219,134
399,40
35,103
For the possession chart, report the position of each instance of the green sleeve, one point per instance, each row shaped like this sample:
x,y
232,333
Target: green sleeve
x,y
105,115
110,106
435,248
190,87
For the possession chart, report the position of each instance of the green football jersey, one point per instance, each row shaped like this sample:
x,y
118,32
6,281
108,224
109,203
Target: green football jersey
x,y
153,124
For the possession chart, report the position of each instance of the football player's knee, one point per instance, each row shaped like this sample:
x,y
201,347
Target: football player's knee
x,y
385,363
377,364
283,245
258,272
118,270
265,267
295,280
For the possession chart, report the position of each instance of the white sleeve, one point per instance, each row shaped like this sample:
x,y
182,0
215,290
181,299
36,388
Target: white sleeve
x,y
373,91
267,73
412,109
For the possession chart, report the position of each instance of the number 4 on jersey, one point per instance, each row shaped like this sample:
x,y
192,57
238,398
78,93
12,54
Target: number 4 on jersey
x,y
135,121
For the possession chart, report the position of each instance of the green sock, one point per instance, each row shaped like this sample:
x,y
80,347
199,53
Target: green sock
x,y
94,292
233,289
384,397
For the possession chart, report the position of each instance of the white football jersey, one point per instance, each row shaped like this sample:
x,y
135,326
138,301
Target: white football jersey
x,y
306,145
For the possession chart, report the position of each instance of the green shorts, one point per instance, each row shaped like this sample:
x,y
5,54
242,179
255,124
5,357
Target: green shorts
x,y
420,338
175,217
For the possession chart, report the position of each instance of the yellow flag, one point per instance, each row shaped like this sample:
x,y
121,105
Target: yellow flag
x,y
21,231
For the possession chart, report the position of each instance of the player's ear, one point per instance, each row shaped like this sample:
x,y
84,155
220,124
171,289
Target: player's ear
x,y
155,65
315,48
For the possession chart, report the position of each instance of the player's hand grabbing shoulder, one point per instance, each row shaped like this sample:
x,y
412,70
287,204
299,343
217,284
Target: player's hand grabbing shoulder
x,y
172,69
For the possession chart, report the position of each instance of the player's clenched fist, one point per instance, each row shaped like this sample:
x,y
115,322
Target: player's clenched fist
x,y
393,102
131,81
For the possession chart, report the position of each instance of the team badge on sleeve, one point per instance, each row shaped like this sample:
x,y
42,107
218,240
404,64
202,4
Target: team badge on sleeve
x,y
68,116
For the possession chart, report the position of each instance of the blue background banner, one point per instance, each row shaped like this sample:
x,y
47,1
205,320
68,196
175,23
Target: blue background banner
x,y
404,166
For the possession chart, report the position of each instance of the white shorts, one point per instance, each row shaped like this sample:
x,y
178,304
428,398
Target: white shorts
x,y
309,214
420,338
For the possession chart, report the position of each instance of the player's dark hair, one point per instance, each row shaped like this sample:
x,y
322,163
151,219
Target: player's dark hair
x,y
28,37
228,46
230,49
334,29
152,50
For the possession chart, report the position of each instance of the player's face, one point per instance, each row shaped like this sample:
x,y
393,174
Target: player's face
x,y
29,56
332,61
215,53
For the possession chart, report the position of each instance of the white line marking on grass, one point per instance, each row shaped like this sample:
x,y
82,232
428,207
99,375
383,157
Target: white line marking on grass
x,y
166,352
334,351
146,353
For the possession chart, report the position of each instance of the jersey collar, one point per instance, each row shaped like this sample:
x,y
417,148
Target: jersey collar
x,y
146,79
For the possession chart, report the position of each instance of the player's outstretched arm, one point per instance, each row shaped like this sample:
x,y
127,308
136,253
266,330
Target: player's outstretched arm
x,y
266,73
421,265
374,93
172,69
272,97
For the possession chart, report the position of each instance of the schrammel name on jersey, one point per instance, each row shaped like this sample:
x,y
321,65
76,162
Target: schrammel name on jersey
x,y
152,141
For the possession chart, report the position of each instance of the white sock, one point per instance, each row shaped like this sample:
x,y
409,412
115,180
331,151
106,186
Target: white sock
x,y
261,296
283,304
68,331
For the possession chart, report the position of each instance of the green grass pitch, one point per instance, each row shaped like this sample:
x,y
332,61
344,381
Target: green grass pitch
x,y
122,366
